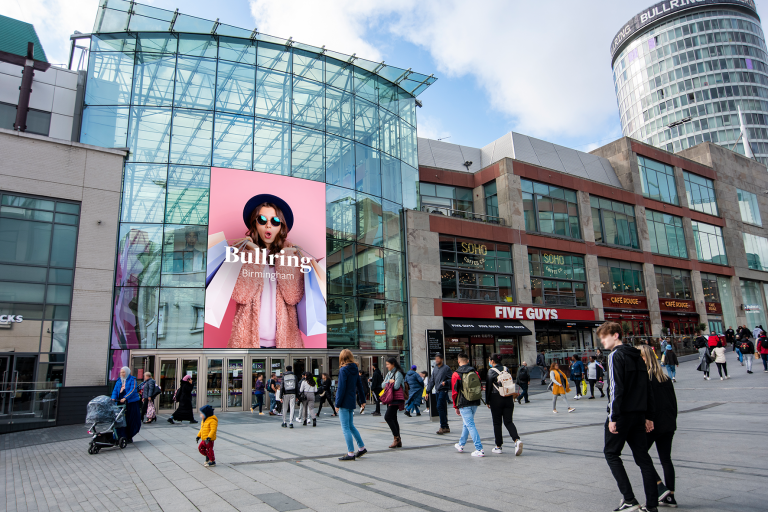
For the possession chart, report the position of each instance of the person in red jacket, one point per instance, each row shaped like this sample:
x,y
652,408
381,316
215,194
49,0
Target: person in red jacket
x,y
712,340
761,345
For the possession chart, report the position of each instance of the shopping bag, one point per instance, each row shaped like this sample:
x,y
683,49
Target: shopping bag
x,y
311,308
583,387
219,292
216,255
319,273
216,238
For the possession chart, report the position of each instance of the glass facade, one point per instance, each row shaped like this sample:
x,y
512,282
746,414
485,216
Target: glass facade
x,y
614,222
756,248
623,277
673,283
491,199
548,209
680,82
185,94
748,207
752,295
710,246
446,196
666,234
476,270
700,193
658,180
557,279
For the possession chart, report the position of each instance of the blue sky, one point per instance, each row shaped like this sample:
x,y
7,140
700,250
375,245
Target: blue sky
x,y
540,68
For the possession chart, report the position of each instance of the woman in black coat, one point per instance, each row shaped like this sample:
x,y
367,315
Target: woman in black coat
x,y
184,398
324,393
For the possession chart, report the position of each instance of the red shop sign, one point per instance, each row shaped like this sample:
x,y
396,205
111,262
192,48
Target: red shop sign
x,y
677,305
613,301
458,310
714,308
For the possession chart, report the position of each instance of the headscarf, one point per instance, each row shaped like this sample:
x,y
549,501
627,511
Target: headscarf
x,y
187,378
127,373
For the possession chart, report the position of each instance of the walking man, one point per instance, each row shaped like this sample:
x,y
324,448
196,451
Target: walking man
x,y
748,351
290,386
466,394
630,416
441,381
271,390
523,379
541,362
377,379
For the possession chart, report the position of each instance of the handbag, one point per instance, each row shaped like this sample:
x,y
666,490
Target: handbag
x,y
302,396
600,384
388,394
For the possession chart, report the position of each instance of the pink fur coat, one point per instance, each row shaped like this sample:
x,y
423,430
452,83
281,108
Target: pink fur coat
x,y
247,296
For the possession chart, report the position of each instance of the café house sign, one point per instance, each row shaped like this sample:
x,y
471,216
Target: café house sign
x,y
476,254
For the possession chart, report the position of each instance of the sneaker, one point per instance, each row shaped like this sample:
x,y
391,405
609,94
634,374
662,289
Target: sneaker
x,y
261,414
669,501
290,426
663,491
362,452
407,413
576,397
251,410
478,453
749,371
627,506
459,448
210,464
518,447
554,412
673,379
497,449
649,509
284,425
373,414
721,378
727,377
591,398
571,409
707,378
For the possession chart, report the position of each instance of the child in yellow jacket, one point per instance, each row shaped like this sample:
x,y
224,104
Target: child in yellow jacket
x,y
208,425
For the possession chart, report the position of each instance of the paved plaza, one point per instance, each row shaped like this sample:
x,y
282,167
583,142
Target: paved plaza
x,y
718,453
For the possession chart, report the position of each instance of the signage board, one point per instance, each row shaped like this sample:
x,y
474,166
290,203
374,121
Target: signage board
x,y
460,310
435,343
714,308
677,305
616,301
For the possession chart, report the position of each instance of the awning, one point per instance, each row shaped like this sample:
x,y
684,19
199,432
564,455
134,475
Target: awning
x,y
475,326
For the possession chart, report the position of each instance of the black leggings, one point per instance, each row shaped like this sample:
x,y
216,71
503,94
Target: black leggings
x,y
721,367
663,442
323,399
391,417
592,383
578,386
501,411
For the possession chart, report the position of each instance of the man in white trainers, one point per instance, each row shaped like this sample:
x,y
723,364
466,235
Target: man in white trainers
x,y
467,394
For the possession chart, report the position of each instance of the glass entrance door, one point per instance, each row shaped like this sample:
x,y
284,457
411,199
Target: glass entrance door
x,y
234,384
299,366
168,383
214,383
317,367
189,367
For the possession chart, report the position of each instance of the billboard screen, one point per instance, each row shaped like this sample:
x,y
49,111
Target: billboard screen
x,y
265,265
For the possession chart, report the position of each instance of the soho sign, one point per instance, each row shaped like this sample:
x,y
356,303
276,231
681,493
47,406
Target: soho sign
x,y
11,319
526,313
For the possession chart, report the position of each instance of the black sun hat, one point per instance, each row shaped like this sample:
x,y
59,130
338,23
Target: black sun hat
x,y
255,201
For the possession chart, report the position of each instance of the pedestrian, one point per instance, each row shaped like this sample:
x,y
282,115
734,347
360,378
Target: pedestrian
x,y
272,390
704,361
747,348
594,375
288,395
669,360
377,384
424,395
630,416
577,375
700,341
600,357
712,341
126,393
761,343
415,389
183,397
258,393
718,354
664,426
150,390
541,364
308,388
441,381
396,377
209,423
523,379
278,399
466,392
362,398
348,387
560,386
502,407
325,393
300,397
756,331
730,337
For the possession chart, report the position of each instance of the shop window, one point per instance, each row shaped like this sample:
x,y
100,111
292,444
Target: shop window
x,y
614,222
621,277
710,246
476,271
673,283
452,200
548,209
658,180
557,279
700,193
709,285
666,234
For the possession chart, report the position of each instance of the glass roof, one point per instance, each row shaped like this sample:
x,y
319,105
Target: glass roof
x,y
124,16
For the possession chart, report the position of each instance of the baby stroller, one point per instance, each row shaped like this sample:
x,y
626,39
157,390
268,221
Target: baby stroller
x,y
103,412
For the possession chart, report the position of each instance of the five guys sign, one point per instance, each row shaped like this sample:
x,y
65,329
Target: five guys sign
x,y
455,310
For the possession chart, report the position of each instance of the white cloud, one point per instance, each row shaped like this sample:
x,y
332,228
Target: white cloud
x,y
431,128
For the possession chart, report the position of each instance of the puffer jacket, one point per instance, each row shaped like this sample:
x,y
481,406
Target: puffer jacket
x,y
208,428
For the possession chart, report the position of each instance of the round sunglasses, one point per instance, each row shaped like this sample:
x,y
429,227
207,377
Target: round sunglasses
x,y
275,221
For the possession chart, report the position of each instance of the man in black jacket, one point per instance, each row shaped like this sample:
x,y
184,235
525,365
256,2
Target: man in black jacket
x,y
377,379
441,382
630,415
700,341
541,362
523,378
730,337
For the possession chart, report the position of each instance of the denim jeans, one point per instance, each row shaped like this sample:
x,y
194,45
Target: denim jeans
x,y
469,428
765,361
349,430
671,370
738,353
272,402
442,408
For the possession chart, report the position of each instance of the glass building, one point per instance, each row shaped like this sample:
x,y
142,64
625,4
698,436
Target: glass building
x,y
682,72
185,94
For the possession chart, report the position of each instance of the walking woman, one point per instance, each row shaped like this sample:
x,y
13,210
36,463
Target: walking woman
x,y
148,398
502,407
396,377
324,388
346,393
307,409
415,390
184,398
669,359
560,387
664,425
718,354
126,392
258,394
704,361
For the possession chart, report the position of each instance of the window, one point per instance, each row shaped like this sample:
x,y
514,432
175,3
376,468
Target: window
x,y
557,279
476,270
621,277
614,222
673,283
666,234
748,207
756,248
445,196
38,122
658,180
491,199
700,193
709,285
549,209
709,243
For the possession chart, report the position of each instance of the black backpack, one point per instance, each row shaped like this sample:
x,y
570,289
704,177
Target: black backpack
x,y
764,343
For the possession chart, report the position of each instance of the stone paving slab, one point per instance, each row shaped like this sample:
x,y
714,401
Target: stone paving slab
x,y
262,467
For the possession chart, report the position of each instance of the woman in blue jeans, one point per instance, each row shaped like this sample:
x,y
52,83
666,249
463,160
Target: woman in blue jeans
x,y
348,389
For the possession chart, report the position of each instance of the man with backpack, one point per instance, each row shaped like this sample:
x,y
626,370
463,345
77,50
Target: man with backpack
x,y
577,375
523,379
289,390
271,390
747,350
762,347
500,397
467,394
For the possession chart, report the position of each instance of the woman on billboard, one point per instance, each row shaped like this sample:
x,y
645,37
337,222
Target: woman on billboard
x,y
267,290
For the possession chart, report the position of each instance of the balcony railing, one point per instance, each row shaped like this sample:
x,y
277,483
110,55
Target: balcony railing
x,y
460,214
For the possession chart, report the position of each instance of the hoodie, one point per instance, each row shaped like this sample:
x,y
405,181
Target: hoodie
x,y
209,424
629,389
458,399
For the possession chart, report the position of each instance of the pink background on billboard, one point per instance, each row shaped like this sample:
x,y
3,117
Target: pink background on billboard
x,y
230,190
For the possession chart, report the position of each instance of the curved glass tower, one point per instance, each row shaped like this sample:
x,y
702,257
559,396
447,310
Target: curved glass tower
x,y
184,95
682,69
